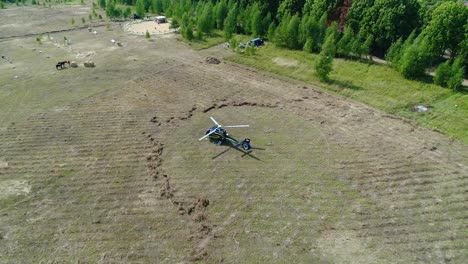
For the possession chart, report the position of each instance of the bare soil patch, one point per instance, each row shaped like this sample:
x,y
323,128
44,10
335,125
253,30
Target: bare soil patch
x,y
154,28
13,187
285,62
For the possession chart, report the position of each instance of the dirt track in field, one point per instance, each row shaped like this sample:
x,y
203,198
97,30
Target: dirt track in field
x,y
100,176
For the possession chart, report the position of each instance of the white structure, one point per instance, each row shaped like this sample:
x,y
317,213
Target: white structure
x,y
161,19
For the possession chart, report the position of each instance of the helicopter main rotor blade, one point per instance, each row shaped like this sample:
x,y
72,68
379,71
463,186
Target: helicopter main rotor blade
x,y
214,121
214,130
238,126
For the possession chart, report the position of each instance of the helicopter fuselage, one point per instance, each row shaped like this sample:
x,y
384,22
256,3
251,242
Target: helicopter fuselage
x,y
221,137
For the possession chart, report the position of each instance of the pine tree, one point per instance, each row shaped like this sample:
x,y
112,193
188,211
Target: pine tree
x,y
443,74
393,53
102,4
414,60
324,63
456,79
292,33
309,45
344,45
222,11
140,8
256,21
230,23
271,31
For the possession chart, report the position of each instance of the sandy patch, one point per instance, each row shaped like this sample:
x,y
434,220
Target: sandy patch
x,y
345,247
285,62
153,28
3,164
13,187
87,54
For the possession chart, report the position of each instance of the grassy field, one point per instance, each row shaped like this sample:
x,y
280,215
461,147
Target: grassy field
x,y
104,165
376,85
207,42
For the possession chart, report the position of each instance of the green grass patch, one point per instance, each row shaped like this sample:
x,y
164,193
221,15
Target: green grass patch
x,y
373,84
199,44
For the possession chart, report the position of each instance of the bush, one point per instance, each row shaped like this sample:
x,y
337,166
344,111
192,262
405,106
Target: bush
x,y
233,43
442,74
147,35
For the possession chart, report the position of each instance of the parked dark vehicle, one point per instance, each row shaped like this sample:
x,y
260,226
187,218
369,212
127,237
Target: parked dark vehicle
x,y
257,42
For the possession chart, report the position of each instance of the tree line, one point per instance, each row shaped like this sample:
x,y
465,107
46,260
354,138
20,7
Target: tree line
x,y
413,35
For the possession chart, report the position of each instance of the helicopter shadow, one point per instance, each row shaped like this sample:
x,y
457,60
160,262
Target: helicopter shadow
x,y
244,153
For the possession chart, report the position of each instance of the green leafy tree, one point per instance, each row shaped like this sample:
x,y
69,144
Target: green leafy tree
x,y
102,4
127,12
366,46
387,21
324,63
344,46
186,27
456,79
289,8
271,31
222,11
174,24
322,28
446,30
443,73
233,43
205,22
309,45
318,8
157,6
394,53
230,22
415,59
110,6
292,33
281,32
256,24
147,4
140,8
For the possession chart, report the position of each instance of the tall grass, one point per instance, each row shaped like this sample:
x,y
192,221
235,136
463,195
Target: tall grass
x,y
374,84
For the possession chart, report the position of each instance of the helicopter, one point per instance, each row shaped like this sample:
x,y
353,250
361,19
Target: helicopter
x,y
217,134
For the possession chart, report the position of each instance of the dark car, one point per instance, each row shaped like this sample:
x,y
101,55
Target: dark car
x,y
136,16
257,42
